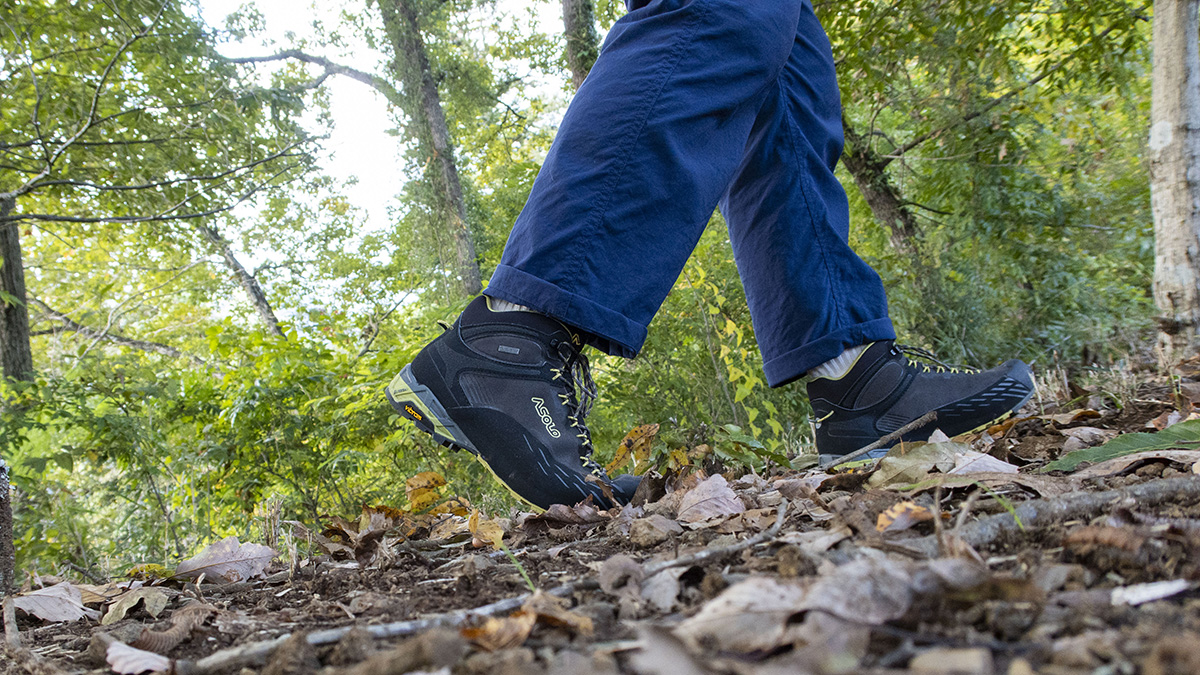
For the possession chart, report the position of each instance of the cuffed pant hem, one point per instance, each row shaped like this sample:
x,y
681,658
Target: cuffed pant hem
x,y
609,331
794,364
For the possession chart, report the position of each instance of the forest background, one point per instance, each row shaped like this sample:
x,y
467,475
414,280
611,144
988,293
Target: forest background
x,y
211,320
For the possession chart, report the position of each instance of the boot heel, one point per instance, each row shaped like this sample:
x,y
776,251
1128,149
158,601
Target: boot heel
x,y
416,402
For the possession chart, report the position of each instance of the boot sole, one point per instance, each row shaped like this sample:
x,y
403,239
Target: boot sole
x,y
414,401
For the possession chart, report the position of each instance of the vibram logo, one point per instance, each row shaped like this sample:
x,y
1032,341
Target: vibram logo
x,y
540,406
409,409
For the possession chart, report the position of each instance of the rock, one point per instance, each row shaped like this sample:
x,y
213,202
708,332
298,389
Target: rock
x,y
652,530
977,661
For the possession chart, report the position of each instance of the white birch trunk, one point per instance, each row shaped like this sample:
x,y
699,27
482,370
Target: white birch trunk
x,y
1175,176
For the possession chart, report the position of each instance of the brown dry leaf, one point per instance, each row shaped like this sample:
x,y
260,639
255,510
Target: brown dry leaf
x,y
710,499
501,633
1046,486
754,520
1120,464
130,661
448,527
57,603
183,622
913,466
817,541
153,599
746,617
661,653
561,515
864,591
619,574
553,611
1073,416
486,532
902,516
634,448
92,594
662,589
229,560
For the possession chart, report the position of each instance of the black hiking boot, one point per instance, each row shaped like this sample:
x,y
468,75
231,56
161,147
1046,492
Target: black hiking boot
x,y
884,391
512,388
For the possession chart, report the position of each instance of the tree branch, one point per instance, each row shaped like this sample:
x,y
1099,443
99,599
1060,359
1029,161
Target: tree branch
x,y
70,325
377,83
934,133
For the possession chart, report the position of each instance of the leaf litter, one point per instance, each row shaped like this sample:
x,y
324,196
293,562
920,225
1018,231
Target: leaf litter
x,y
976,555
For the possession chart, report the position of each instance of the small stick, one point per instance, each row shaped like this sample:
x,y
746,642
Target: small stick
x,y
1037,513
11,636
258,652
890,438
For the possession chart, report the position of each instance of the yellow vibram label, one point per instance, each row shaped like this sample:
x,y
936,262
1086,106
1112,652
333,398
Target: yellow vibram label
x,y
412,411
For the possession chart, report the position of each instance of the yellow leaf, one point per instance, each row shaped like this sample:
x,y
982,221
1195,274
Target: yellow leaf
x,y
901,517
424,480
501,633
487,532
422,498
634,448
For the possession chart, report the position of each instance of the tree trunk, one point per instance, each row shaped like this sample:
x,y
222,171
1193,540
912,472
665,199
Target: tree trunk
x,y
583,43
8,555
254,291
869,171
1175,176
16,357
412,64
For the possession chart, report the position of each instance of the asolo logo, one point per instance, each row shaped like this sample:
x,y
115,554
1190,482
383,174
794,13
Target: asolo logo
x,y
540,406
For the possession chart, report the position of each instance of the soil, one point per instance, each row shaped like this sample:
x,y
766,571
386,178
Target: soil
x,y
1050,597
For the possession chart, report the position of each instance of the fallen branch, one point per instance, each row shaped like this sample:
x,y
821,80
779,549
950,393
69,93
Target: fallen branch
x,y
1038,513
890,438
257,653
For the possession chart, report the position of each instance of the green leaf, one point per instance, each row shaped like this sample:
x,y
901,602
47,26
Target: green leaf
x,y
1183,435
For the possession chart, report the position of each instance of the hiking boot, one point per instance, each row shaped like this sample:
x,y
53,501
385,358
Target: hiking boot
x,y
512,388
884,390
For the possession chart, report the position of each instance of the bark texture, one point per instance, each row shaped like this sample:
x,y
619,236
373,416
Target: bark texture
x,y
412,65
254,291
16,358
583,43
869,171
1175,176
8,555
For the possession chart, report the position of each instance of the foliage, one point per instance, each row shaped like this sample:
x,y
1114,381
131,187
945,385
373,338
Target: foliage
x,y
1015,134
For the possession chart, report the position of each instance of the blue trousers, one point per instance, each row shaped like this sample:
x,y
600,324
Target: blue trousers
x,y
694,104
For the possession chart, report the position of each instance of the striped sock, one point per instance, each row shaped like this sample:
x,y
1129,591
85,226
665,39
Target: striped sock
x,y
837,367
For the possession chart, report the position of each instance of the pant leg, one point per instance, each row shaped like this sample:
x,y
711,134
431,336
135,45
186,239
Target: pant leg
x,y
810,295
649,144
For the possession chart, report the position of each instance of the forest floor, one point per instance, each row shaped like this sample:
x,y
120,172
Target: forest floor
x,y
972,556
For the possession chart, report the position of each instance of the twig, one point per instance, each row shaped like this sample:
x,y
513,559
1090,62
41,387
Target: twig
x,y
892,437
1037,513
258,652
11,636
701,556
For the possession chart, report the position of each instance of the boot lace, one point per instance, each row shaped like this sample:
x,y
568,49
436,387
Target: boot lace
x,y
578,396
930,363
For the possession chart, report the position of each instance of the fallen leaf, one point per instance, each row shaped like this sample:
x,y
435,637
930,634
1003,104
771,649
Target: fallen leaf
x,y
57,603
619,574
749,616
1120,464
652,530
486,532
817,541
915,465
423,490
1046,486
662,589
92,594
1072,416
710,499
864,591
131,661
948,661
902,516
229,560
495,633
553,611
1185,435
561,515
661,653
449,527
153,599
634,448
978,462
